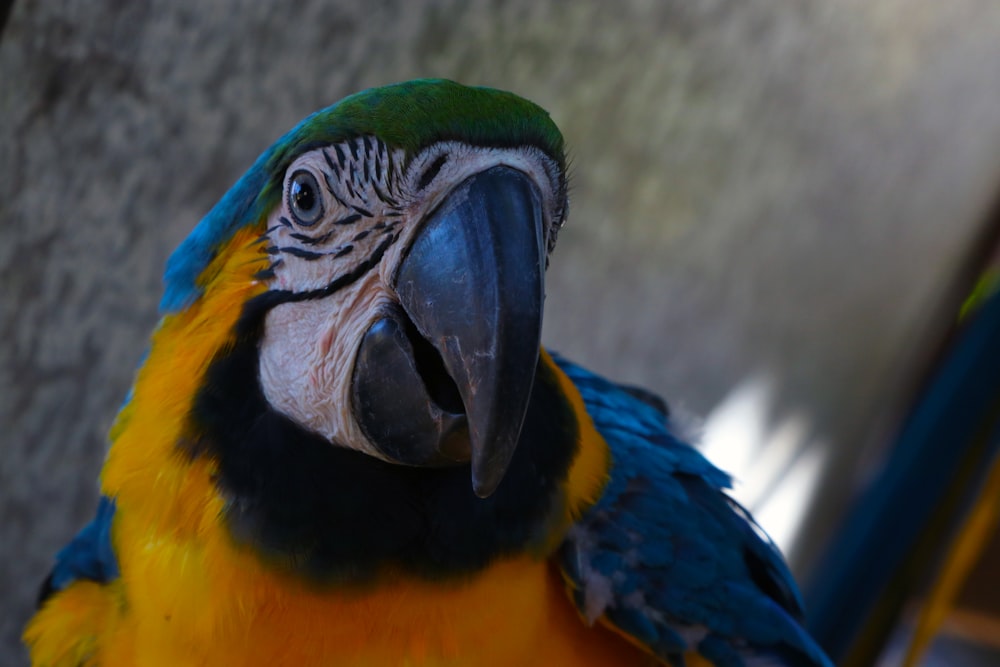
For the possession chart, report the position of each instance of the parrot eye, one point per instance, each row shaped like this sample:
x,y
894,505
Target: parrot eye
x,y
304,199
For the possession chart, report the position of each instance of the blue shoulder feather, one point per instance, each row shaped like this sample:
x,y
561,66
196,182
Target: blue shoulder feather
x,y
668,558
89,556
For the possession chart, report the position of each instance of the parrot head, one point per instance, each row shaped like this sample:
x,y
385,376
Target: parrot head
x,y
404,234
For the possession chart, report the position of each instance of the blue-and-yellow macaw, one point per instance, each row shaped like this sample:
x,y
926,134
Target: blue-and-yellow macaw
x,y
347,337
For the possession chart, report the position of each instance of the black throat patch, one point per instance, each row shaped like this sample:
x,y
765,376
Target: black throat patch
x,y
336,515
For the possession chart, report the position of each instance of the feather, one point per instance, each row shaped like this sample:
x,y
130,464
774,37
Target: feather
x,y
667,557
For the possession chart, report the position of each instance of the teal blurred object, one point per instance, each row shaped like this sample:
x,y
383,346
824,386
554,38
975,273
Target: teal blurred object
x,y
895,534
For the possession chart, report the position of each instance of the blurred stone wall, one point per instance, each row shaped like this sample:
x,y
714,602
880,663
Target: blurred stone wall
x,y
777,187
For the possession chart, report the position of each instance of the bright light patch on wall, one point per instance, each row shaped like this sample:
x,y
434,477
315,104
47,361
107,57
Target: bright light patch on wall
x,y
781,513
774,466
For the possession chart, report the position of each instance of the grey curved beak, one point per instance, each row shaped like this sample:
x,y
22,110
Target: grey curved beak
x,y
447,379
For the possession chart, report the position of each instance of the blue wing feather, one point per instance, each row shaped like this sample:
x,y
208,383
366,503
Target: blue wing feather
x,y
89,556
667,557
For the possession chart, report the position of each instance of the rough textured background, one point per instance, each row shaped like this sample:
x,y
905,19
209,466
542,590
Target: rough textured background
x,y
779,188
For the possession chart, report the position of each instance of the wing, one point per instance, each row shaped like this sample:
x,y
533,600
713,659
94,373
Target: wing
x,y
75,603
667,558
88,557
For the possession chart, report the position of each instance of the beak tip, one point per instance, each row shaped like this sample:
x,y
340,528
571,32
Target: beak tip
x,y
490,464
484,488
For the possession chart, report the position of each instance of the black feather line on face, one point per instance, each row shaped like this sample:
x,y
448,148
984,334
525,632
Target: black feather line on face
x,y
330,164
432,171
274,297
332,514
301,253
312,240
347,219
333,192
382,195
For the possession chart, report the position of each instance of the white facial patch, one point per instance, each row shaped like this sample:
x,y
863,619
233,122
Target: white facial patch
x,y
307,355
336,263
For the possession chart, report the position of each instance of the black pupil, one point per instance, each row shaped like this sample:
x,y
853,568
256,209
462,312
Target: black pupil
x,y
303,196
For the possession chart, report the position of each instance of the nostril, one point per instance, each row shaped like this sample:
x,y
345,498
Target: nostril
x,y
438,382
